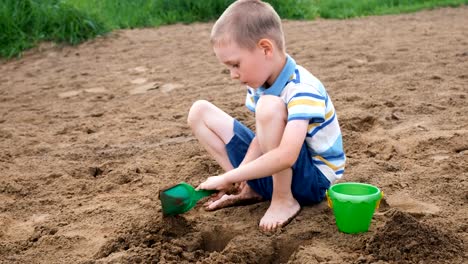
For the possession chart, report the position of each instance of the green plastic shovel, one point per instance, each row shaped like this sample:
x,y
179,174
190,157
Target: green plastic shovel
x,y
180,198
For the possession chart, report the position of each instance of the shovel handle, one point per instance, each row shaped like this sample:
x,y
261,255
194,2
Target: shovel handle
x,y
203,193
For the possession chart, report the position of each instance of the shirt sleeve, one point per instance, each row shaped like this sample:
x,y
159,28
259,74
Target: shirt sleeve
x,y
306,103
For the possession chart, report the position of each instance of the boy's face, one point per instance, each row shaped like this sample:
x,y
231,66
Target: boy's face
x,y
250,67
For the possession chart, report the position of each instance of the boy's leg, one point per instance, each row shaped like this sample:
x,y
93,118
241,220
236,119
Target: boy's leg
x,y
214,129
271,118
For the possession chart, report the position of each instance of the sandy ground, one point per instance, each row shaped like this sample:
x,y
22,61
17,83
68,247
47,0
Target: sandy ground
x,y
89,134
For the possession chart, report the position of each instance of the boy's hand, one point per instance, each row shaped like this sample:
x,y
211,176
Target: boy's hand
x,y
215,183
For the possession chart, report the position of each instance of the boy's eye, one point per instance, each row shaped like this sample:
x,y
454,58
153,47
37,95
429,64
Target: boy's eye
x,y
235,66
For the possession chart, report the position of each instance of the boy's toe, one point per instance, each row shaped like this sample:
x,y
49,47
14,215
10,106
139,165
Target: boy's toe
x,y
270,227
275,218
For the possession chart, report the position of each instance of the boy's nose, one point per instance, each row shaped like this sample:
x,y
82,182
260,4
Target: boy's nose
x,y
234,75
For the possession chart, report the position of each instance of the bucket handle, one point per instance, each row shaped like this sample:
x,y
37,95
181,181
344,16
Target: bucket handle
x,y
329,201
378,202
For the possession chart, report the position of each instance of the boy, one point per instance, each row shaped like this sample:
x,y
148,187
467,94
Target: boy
x,y
297,140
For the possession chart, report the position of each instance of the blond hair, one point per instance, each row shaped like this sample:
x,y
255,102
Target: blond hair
x,y
246,22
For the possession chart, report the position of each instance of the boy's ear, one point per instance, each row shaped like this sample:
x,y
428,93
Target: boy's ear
x,y
266,45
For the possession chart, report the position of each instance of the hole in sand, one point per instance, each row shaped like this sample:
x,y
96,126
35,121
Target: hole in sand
x,y
175,227
95,171
284,247
216,239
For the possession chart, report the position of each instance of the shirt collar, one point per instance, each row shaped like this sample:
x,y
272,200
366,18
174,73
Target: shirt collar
x,y
286,74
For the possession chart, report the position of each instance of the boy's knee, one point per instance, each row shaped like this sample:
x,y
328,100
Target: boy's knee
x,y
196,111
270,108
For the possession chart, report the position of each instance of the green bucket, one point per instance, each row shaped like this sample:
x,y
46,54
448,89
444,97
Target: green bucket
x,y
353,205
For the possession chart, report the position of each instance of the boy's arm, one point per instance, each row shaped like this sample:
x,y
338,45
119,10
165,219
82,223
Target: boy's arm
x,y
276,160
252,153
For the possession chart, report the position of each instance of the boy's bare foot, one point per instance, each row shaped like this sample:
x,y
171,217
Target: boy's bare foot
x,y
279,214
245,196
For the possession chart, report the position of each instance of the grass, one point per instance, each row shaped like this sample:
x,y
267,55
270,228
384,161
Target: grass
x,y
24,23
341,9
143,13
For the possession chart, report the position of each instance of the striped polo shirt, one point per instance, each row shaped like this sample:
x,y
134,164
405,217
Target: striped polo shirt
x,y
306,99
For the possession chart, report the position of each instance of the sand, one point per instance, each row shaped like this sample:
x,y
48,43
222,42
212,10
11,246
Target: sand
x,y
89,134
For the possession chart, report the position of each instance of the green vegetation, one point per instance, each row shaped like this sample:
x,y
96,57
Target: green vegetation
x,y
346,9
142,13
24,23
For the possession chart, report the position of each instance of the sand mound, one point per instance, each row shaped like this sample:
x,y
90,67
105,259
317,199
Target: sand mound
x,y
406,240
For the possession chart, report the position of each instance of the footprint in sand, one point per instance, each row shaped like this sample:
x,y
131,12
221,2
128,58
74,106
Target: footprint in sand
x,y
144,88
69,94
96,90
165,88
20,229
138,81
139,69
74,93
404,202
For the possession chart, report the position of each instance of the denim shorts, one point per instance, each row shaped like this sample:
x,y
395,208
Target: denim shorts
x,y
308,183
